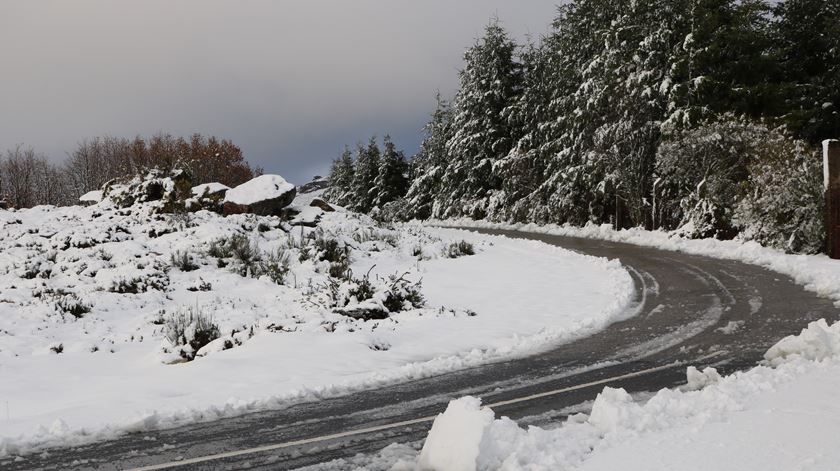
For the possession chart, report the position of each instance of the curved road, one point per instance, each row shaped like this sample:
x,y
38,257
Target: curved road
x,y
690,310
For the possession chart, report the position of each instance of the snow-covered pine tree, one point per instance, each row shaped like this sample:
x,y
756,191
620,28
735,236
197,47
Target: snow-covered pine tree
x,y
807,41
364,186
489,83
392,181
430,164
521,170
341,178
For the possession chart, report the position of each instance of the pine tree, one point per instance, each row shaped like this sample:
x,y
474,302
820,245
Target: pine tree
x,y
430,164
807,39
489,83
392,181
364,186
341,178
521,171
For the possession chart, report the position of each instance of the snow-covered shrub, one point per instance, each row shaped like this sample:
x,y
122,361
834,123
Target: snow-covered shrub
x,y
325,248
701,175
71,304
375,298
394,211
735,177
459,249
785,205
188,329
183,261
275,265
236,251
402,294
139,278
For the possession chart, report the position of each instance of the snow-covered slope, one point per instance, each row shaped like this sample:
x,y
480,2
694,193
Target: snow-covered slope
x,y
88,297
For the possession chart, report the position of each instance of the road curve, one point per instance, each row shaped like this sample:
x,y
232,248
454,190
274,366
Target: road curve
x,y
689,310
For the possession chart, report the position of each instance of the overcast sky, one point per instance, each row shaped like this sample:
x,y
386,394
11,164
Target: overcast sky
x,y
290,82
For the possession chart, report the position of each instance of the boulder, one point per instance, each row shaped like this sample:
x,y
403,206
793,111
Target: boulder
x,y
318,183
265,195
319,203
91,198
210,190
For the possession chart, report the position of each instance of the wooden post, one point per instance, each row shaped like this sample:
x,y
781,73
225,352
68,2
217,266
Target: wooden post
x,y
831,168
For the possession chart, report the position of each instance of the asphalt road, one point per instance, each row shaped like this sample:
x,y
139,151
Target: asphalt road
x,y
690,310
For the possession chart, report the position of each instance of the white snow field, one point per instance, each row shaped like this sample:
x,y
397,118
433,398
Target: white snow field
x,y
86,295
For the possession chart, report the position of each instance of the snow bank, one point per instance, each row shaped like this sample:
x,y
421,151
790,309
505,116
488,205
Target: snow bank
x,y
816,342
456,435
816,273
262,188
784,417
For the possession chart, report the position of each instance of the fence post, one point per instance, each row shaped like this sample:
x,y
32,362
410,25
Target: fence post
x,y
831,169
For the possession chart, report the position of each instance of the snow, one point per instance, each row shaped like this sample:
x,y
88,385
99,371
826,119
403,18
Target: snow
x,y
94,196
817,342
816,273
781,415
262,188
454,441
116,371
209,188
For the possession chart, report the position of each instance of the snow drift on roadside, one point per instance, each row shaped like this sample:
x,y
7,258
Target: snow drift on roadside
x,y
816,273
784,417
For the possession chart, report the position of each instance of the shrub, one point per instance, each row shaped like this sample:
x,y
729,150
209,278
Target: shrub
x,y
183,261
237,248
403,294
190,329
459,249
275,265
70,304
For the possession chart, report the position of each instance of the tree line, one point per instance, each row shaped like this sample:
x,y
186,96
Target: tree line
x,y
371,178
698,115
29,179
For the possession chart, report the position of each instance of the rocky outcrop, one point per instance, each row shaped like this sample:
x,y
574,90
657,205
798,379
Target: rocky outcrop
x,y
319,203
265,195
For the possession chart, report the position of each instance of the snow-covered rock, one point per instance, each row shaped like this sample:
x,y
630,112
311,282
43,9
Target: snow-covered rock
x,y
209,189
265,195
91,197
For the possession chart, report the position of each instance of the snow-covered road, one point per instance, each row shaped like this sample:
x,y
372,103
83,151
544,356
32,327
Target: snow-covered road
x,y
688,307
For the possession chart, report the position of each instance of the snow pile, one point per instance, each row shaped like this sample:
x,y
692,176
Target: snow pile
x,y
764,418
455,439
262,188
816,342
118,318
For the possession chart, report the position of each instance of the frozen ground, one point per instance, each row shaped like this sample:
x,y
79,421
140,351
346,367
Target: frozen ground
x,y
85,295
782,415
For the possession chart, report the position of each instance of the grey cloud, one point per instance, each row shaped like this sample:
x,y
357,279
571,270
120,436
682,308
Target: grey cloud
x,y
289,81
